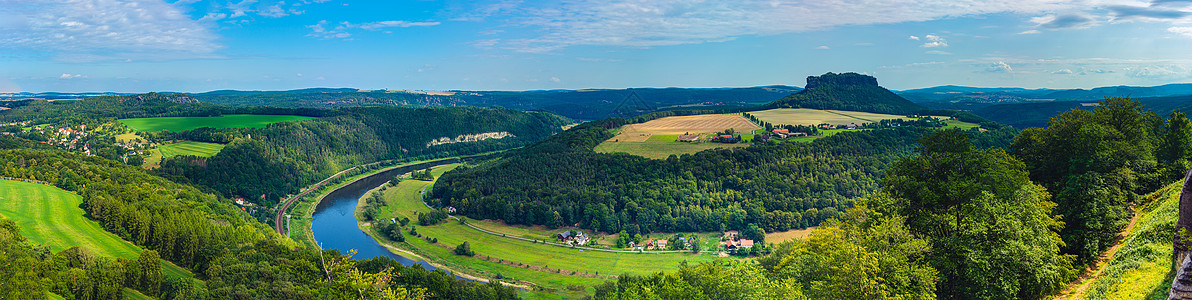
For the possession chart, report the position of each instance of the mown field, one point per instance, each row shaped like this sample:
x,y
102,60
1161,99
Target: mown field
x,y
51,216
404,201
656,138
189,148
1140,268
177,124
806,116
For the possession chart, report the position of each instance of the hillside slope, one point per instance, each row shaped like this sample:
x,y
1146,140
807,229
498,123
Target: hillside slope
x,y
847,91
1140,269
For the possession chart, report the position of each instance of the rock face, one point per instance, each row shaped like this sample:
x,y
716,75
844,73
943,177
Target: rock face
x,y
157,97
1181,286
840,79
467,138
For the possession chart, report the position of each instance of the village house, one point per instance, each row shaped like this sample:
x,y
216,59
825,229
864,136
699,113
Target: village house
x,y
574,237
660,244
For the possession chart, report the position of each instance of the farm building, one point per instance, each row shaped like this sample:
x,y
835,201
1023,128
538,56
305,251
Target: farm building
x,y
688,138
724,138
575,237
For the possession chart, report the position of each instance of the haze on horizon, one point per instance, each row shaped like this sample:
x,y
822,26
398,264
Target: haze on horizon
x,y
199,45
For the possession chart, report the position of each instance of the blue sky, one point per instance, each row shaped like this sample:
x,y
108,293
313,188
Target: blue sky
x,y
197,46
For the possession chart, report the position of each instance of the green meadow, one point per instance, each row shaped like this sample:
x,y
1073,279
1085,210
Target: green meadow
x,y
51,216
177,124
404,201
190,148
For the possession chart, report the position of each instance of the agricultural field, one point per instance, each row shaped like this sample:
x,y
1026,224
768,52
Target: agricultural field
x,y
546,266
699,124
656,138
806,116
189,148
661,150
177,124
51,216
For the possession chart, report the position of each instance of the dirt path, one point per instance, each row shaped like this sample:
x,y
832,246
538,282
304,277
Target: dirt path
x,y
1076,289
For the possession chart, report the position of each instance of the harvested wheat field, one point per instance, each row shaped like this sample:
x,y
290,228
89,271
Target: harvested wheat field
x,y
684,124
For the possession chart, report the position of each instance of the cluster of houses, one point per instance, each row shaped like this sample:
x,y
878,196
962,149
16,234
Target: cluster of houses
x,y
783,133
733,245
578,238
840,126
726,138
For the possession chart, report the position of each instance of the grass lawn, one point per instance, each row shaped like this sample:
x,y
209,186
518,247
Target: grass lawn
x,y
959,124
663,138
1139,269
404,201
51,216
660,150
177,124
129,137
189,148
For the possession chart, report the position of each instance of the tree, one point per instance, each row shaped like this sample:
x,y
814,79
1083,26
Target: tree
x,y
992,230
1096,162
1176,148
464,249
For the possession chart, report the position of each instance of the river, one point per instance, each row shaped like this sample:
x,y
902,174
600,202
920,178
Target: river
x,y
334,220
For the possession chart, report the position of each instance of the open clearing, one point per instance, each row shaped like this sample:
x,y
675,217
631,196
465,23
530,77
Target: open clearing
x,y
177,124
698,124
190,148
806,116
51,216
656,138
660,150
516,259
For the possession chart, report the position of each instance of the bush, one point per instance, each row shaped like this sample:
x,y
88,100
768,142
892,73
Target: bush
x,y
464,249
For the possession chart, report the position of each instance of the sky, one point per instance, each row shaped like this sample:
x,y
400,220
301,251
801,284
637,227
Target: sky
x,y
198,45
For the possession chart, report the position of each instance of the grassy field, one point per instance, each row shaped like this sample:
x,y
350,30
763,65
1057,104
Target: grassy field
x,y
189,148
806,116
129,137
176,124
1139,269
556,263
51,216
959,124
660,150
657,138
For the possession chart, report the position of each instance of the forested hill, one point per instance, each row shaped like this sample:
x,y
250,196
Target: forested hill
x,y
132,106
562,182
233,256
268,163
847,91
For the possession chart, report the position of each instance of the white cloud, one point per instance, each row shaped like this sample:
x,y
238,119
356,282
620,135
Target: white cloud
x,y
71,76
1184,31
104,30
1062,71
999,67
1032,31
341,31
914,38
934,41
823,48
555,79
629,23
939,52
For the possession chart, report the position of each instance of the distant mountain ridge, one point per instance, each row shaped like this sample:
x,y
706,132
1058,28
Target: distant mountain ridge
x,y
975,98
847,91
587,104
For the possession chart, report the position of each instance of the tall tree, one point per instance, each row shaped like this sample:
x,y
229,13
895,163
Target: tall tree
x,y
992,230
1096,162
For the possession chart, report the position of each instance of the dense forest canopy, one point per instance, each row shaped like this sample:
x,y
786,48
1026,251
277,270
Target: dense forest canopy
x,y
235,256
284,157
562,182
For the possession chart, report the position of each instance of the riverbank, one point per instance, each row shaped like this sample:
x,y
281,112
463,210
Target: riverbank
x,y
555,271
